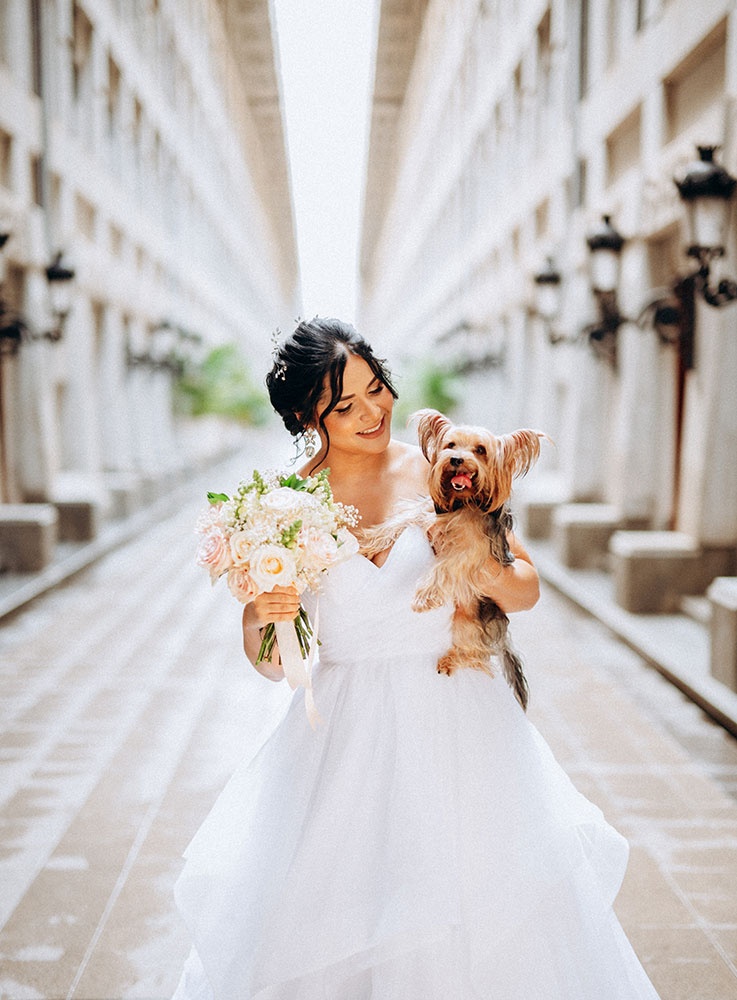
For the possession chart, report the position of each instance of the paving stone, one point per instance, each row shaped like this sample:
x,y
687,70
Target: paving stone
x,y
128,697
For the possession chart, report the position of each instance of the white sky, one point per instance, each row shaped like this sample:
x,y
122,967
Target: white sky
x,y
327,50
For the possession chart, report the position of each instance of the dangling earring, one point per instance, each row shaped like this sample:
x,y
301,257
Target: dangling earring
x,y
311,439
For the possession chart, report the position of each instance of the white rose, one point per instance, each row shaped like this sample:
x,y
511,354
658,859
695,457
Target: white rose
x,y
240,547
347,544
281,501
272,566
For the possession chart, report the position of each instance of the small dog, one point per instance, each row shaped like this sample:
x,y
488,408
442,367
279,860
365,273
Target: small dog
x,y
466,519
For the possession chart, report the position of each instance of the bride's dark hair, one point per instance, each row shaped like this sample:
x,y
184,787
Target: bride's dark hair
x,y
317,350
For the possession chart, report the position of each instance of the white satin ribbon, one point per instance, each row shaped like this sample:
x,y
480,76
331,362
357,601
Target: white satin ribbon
x,y
298,670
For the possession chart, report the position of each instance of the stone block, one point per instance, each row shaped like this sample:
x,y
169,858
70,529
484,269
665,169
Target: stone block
x,y
581,533
652,569
722,594
78,519
153,488
124,489
536,517
28,534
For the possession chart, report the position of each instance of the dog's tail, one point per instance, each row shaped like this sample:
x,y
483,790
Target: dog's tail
x,y
512,666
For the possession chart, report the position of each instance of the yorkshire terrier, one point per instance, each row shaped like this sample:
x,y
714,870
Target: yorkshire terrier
x,y
466,519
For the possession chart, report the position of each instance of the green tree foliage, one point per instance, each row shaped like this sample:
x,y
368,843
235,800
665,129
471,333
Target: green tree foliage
x,y
222,385
429,384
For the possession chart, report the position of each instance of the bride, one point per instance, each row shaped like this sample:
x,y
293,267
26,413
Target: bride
x,y
423,844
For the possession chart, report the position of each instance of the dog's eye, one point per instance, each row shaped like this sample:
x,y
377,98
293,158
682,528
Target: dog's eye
x,y
480,450
450,444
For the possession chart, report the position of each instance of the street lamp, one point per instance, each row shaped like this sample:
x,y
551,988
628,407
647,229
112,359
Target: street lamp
x,y
605,247
59,276
706,190
13,327
548,289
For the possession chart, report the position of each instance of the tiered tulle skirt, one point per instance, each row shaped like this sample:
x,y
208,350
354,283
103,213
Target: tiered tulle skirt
x,y
423,845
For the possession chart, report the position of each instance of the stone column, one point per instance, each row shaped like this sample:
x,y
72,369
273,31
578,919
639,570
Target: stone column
x,y
708,477
636,433
36,431
115,429
80,420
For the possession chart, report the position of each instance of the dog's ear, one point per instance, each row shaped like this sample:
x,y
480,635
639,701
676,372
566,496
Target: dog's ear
x,y
431,424
517,452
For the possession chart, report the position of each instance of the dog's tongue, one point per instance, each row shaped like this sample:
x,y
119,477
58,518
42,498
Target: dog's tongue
x,y
460,481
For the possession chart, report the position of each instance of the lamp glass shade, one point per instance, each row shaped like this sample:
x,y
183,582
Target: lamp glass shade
x,y
548,299
164,341
707,219
60,294
604,269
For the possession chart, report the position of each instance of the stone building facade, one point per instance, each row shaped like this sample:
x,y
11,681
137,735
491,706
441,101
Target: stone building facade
x,y
144,139
501,132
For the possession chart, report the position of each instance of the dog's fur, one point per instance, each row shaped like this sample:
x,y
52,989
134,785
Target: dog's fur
x,y
465,524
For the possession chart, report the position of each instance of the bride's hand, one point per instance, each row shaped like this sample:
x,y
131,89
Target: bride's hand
x,y
279,605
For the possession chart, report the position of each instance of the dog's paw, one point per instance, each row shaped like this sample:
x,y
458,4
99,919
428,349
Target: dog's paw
x,y
426,600
446,664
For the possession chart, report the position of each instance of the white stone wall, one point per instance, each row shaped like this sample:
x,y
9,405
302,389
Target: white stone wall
x,y
155,191
493,131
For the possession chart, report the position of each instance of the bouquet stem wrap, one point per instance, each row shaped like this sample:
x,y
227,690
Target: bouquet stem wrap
x,y
297,668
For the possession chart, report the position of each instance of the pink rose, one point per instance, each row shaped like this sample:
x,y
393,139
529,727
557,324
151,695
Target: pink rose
x,y
317,548
241,585
213,553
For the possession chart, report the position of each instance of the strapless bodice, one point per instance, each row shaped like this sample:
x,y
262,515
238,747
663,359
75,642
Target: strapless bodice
x,y
365,609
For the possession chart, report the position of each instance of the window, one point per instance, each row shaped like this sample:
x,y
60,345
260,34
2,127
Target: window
x,y
137,133
583,48
86,217
516,241
81,51
697,84
612,33
542,213
37,180
640,14
6,160
116,240
113,94
623,147
575,186
4,31
544,59
35,13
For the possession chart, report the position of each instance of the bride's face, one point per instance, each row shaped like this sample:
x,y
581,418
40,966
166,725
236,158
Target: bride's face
x,y
361,419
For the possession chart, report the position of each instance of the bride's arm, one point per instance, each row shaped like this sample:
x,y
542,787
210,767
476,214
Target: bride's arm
x,y
515,587
281,604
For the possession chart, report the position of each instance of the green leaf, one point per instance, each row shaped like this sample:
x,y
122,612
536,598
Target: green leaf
x,y
293,482
217,497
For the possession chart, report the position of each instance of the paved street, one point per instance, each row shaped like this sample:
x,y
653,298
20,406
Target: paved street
x,y
127,703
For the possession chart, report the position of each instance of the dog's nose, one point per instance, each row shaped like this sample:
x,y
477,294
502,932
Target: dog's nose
x,y
455,462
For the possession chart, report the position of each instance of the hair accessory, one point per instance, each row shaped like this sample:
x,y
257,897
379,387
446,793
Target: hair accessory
x,y
280,366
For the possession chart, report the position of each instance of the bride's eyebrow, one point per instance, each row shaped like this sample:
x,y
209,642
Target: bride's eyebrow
x,y
374,379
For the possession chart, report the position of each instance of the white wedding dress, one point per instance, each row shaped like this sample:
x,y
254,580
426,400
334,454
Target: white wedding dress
x,y
423,844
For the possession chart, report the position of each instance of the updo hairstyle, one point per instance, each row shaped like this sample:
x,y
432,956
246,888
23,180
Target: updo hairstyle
x,y
316,351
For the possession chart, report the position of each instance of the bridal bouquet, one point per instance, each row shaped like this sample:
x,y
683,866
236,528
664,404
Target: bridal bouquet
x,y
278,530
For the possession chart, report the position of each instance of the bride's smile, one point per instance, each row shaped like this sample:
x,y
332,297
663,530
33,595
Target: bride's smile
x,y
362,413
